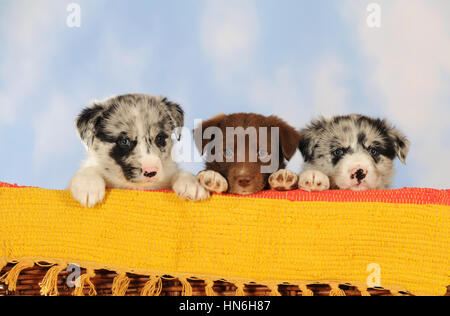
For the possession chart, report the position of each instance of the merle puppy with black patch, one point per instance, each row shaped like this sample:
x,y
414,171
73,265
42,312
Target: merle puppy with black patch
x,y
352,152
129,145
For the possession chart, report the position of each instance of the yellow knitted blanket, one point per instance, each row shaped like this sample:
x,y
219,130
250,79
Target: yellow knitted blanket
x,y
300,238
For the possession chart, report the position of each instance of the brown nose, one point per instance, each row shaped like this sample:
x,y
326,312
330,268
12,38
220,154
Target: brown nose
x,y
244,181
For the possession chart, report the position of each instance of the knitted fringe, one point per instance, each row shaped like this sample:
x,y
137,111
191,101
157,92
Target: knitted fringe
x,y
305,290
209,288
154,287
120,285
83,281
336,290
187,287
49,285
10,278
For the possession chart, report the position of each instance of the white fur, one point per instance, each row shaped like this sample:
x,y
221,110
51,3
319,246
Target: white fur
x,y
187,187
88,187
139,117
313,180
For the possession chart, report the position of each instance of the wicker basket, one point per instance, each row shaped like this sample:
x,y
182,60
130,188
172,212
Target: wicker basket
x,y
29,279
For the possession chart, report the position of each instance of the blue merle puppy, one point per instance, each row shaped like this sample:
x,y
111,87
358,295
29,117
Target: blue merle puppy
x,y
129,146
352,152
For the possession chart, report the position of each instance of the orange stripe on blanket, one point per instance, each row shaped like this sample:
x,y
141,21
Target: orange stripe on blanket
x,y
400,196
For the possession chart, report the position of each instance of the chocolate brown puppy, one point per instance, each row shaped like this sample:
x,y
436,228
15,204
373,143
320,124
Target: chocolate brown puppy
x,y
243,150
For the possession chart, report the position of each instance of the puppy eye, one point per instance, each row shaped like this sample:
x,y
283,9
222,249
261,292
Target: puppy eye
x,y
161,140
338,153
124,142
374,152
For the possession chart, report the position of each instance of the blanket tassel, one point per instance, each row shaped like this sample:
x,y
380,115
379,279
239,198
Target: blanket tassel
x,y
153,287
364,291
187,287
240,289
10,278
49,284
274,290
209,288
336,290
82,281
305,290
120,284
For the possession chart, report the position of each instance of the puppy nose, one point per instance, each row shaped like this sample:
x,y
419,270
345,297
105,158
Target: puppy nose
x,y
149,172
359,174
244,181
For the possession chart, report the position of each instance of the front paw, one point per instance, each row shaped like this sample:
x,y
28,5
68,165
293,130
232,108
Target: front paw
x,y
312,180
188,188
283,180
87,188
213,181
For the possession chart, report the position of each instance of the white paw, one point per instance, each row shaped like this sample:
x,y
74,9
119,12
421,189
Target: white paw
x,y
283,180
88,188
312,180
213,181
188,188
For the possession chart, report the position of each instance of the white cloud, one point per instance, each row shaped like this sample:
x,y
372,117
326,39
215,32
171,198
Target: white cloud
x,y
54,131
410,69
124,65
330,92
26,46
281,95
229,35
6,109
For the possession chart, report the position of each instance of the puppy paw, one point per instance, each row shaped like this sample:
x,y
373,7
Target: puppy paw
x,y
313,181
283,180
213,181
88,188
188,188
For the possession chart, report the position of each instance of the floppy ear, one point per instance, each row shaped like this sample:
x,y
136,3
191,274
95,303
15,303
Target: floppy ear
x,y
309,138
289,137
401,144
200,142
176,115
87,123
306,145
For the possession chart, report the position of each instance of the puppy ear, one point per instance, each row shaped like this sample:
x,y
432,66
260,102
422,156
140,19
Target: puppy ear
x,y
176,114
200,142
289,137
401,144
87,123
309,137
306,146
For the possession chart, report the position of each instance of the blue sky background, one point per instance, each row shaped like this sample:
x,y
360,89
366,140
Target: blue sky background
x,y
294,58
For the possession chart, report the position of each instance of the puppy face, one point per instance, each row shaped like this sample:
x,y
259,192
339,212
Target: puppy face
x,y
355,151
246,158
130,138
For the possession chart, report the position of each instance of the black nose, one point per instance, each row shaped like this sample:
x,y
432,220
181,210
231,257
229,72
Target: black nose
x,y
150,174
360,174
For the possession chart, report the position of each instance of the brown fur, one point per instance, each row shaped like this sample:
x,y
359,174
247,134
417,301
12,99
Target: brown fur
x,y
234,172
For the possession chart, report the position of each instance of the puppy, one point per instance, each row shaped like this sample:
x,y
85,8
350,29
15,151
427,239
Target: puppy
x,y
243,150
353,152
129,143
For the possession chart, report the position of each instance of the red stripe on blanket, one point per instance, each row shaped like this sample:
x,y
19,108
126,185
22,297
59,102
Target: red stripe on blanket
x,y
401,196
